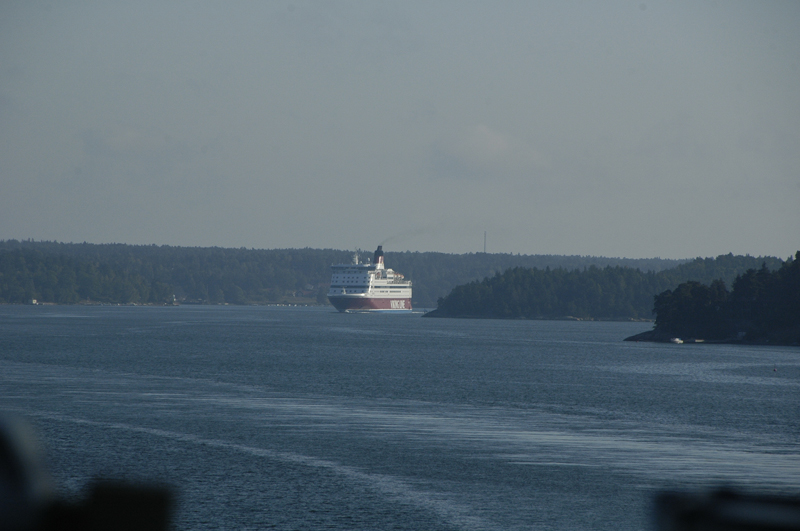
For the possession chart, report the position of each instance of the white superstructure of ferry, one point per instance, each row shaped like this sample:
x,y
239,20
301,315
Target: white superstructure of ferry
x,y
369,287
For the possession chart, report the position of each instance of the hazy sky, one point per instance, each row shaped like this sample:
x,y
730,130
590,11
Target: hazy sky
x,y
633,129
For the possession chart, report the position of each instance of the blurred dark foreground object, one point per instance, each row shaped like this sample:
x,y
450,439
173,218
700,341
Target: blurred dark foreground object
x,y
28,502
727,510
111,505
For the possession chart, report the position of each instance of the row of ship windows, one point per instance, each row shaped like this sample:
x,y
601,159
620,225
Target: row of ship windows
x,y
339,281
376,287
396,294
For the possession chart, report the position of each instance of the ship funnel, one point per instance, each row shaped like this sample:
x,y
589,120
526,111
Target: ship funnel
x,y
378,260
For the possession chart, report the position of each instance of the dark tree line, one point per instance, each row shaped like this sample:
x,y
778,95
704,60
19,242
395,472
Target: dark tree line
x,y
119,273
437,274
594,292
523,293
26,275
116,273
762,305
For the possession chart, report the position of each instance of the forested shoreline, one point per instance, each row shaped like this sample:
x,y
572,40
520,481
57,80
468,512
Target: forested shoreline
x,y
80,273
68,273
763,306
72,273
589,293
142,274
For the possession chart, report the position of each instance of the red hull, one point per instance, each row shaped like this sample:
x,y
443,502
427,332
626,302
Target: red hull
x,y
365,304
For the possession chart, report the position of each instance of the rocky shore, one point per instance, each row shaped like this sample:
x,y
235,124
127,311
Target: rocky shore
x,y
790,338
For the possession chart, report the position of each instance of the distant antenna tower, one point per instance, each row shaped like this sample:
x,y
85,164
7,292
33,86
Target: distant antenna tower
x,y
484,242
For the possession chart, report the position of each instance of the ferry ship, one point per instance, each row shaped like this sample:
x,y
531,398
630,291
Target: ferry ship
x,y
369,287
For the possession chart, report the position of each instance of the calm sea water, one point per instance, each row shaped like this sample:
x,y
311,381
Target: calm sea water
x,y
293,418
